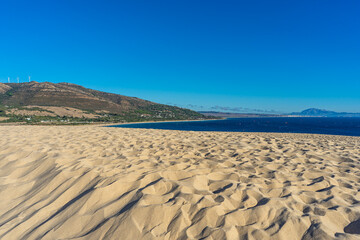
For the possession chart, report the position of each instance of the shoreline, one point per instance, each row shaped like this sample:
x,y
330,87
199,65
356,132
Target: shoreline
x,y
184,130
168,121
114,125
100,124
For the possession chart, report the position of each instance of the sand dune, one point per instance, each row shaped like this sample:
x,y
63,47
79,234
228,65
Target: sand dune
x,y
87,182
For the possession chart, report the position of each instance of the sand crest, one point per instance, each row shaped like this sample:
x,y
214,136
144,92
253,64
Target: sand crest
x,y
89,182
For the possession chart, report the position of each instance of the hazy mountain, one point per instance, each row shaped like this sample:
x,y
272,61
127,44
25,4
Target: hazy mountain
x,y
236,115
315,112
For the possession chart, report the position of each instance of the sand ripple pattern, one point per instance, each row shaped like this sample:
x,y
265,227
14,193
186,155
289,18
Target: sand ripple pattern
x,y
87,182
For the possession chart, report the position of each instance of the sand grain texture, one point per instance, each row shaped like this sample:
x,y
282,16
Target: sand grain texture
x,y
87,182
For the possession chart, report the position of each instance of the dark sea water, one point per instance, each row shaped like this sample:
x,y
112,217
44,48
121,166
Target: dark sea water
x,y
334,126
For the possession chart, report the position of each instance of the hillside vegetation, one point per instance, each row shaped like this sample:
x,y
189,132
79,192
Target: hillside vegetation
x,y
46,102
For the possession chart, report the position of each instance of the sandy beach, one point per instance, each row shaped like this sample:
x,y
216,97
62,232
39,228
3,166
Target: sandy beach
x,y
92,182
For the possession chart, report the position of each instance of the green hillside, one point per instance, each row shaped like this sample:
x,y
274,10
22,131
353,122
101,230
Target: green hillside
x,y
46,102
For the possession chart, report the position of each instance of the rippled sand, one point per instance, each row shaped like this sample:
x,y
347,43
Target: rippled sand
x,y
89,182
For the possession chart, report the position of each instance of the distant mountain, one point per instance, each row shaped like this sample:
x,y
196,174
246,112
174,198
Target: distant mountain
x,y
56,100
315,112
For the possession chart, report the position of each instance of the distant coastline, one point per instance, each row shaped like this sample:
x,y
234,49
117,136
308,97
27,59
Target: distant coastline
x,y
310,112
238,115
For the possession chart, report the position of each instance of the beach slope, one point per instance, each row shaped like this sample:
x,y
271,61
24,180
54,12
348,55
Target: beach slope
x,y
91,182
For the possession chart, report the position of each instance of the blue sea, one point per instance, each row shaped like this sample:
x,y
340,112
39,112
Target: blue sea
x,y
334,126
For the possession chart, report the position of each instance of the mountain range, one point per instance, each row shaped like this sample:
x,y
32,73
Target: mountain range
x,y
311,112
47,101
315,112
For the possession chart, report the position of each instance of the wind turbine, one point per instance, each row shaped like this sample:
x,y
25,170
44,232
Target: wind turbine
x,y
18,80
8,79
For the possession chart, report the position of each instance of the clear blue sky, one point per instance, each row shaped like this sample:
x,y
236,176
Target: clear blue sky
x,y
222,55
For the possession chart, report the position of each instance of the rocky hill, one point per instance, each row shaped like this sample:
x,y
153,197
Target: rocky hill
x,y
68,102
